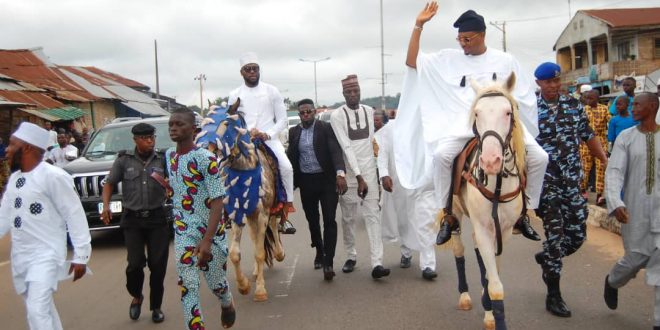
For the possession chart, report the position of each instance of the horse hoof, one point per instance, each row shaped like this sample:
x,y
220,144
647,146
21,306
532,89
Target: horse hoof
x,y
261,297
464,302
244,286
244,291
489,321
280,257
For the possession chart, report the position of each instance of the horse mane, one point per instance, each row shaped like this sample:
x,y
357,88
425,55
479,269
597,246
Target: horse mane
x,y
517,135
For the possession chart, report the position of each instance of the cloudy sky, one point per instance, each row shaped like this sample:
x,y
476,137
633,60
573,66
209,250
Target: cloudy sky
x,y
208,36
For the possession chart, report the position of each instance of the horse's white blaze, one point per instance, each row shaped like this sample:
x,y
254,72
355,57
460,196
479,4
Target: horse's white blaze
x,y
493,113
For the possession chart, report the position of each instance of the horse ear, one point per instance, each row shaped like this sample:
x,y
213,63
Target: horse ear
x,y
510,82
234,107
475,85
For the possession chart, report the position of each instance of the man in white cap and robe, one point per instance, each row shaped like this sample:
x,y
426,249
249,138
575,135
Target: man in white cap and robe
x,y
435,105
39,206
353,124
264,111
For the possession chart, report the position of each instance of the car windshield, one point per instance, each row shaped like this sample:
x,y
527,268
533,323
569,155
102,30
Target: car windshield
x,y
108,141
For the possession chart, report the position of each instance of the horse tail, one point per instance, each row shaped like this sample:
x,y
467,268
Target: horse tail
x,y
269,246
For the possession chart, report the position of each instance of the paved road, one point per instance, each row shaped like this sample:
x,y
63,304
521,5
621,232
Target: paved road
x,y
300,299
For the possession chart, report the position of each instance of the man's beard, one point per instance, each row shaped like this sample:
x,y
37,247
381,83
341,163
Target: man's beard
x,y
15,164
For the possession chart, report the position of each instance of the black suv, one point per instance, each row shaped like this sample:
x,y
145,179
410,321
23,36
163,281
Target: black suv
x,y
89,171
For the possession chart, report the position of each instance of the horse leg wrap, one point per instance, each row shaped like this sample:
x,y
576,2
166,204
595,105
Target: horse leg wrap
x,y
485,299
460,268
498,313
482,269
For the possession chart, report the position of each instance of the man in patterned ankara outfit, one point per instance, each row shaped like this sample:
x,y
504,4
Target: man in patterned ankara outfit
x,y
599,116
200,239
562,124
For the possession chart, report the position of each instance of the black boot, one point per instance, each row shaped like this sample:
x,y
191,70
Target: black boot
x,y
610,294
449,224
526,229
554,302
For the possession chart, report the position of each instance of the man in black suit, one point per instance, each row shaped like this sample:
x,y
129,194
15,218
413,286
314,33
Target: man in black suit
x,y
319,172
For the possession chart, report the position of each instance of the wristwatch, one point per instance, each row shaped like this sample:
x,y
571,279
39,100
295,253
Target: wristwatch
x,y
341,173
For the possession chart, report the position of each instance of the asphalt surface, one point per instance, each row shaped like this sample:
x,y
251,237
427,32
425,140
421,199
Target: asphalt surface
x,y
301,299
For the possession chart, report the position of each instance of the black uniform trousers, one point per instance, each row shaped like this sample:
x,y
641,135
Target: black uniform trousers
x,y
154,233
315,188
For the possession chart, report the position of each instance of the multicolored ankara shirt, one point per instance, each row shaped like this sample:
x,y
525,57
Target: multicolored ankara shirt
x,y
195,181
561,127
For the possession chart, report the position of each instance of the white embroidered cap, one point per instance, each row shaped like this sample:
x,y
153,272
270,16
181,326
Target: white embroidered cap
x,y
32,134
249,57
585,88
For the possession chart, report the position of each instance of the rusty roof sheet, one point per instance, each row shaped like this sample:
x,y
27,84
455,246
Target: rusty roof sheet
x,y
115,77
26,65
627,17
39,99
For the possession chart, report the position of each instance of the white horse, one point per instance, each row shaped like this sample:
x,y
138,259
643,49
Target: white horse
x,y
491,192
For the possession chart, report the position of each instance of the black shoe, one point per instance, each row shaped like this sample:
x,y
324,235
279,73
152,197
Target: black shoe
x,y
328,273
157,315
405,262
349,265
318,264
135,309
228,316
526,229
429,274
538,257
446,229
556,306
611,295
379,272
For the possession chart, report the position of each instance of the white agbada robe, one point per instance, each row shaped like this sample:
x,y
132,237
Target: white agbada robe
x,y
59,155
263,108
436,107
355,134
406,214
38,207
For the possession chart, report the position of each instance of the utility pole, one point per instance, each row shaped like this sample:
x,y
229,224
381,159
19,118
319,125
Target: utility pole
x,y
316,95
569,10
497,24
157,82
382,59
201,78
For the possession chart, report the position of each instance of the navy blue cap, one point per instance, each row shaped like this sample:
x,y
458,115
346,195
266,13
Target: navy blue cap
x,y
143,129
547,70
470,21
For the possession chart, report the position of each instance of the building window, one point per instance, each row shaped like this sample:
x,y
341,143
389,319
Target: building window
x,y
623,50
657,47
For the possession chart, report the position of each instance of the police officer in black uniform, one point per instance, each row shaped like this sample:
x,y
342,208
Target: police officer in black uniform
x,y
143,221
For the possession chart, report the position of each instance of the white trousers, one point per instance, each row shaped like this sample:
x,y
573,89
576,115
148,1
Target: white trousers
x,y
421,216
448,148
286,170
426,256
41,311
369,210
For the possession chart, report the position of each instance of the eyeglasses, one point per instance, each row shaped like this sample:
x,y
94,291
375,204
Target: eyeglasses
x,y
467,40
306,112
253,68
146,137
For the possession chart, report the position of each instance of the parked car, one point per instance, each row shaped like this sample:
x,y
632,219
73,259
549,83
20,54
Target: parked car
x,y
89,171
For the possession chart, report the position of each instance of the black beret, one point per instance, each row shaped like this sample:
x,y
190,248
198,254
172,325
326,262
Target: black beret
x,y
470,21
143,129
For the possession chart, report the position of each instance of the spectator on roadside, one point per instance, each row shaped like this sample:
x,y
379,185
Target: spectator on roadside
x,y
628,84
64,153
52,135
621,121
598,119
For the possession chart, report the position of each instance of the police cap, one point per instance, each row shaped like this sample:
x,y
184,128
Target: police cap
x,y
143,129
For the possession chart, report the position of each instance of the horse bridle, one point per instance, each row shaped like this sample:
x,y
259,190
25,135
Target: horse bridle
x,y
495,197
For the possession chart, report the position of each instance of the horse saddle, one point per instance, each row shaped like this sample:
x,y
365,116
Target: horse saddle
x,y
461,164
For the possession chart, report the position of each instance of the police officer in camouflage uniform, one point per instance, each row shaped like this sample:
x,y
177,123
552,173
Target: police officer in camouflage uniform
x,y
144,220
563,123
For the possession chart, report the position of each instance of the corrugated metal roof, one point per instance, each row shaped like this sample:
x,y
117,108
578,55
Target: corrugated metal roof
x,y
40,114
85,82
27,65
41,100
147,109
116,78
66,113
11,104
627,17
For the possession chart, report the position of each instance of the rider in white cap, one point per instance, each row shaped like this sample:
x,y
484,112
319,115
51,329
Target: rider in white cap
x,y
39,206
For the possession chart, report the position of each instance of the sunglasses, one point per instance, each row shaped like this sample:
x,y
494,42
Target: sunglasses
x,y
146,137
306,112
469,39
251,68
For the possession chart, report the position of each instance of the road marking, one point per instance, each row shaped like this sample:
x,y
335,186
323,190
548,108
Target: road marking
x,y
289,277
281,296
275,316
4,263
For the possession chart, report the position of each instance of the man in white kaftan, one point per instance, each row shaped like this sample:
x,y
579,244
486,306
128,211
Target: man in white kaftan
x,y
634,168
353,124
406,214
435,104
39,205
264,111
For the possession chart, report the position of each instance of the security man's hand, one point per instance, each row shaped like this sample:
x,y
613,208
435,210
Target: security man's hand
x,y
106,215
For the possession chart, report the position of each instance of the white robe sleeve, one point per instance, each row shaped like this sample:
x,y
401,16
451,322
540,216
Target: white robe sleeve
x,y
279,110
70,209
615,175
5,222
524,94
383,140
338,123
